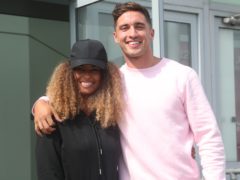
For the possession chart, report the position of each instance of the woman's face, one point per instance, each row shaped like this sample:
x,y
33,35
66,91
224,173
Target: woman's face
x,y
88,78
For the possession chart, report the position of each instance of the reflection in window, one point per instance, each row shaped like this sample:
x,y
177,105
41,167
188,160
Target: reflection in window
x,y
95,24
82,23
106,37
178,42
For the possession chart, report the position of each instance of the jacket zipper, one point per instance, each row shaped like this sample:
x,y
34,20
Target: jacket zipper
x,y
99,147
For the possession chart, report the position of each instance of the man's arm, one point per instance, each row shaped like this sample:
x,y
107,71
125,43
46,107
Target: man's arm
x,y
43,116
205,129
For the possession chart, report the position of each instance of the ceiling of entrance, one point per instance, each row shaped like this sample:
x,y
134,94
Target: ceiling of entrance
x,y
65,2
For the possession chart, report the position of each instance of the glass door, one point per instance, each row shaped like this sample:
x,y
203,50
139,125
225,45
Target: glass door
x,y
180,43
227,87
95,21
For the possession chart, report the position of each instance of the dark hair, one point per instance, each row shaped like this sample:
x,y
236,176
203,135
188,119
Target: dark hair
x,y
121,8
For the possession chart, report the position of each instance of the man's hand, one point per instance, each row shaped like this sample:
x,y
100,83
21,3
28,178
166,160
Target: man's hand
x,y
43,117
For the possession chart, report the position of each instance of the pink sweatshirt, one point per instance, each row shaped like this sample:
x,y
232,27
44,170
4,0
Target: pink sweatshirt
x,y
167,112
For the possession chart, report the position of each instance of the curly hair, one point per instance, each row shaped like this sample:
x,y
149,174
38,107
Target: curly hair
x,y
121,8
67,102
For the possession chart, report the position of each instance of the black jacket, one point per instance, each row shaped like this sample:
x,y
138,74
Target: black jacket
x,y
79,149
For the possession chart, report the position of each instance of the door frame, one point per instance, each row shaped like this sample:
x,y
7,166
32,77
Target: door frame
x,y
216,18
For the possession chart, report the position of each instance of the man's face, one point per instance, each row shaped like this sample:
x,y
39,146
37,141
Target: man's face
x,y
133,34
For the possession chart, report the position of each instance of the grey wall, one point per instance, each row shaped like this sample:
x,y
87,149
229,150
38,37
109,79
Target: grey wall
x,y
48,44
14,103
29,49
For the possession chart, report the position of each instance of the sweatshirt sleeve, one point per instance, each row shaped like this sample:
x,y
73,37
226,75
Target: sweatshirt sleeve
x,y
205,129
48,157
45,98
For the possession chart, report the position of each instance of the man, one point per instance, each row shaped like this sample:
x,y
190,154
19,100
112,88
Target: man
x,y
166,110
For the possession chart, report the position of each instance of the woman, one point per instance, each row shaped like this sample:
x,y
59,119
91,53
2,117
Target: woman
x,y
86,93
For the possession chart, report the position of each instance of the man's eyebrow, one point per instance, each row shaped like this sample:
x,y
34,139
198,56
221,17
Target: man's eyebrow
x,y
136,23
139,23
123,25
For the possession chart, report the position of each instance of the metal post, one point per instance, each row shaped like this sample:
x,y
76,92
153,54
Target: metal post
x,y
72,17
158,26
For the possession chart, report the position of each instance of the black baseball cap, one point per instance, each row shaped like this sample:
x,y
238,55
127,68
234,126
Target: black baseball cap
x,y
88,51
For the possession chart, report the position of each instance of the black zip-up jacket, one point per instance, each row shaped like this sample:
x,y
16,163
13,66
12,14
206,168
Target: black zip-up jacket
x,y
79,149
